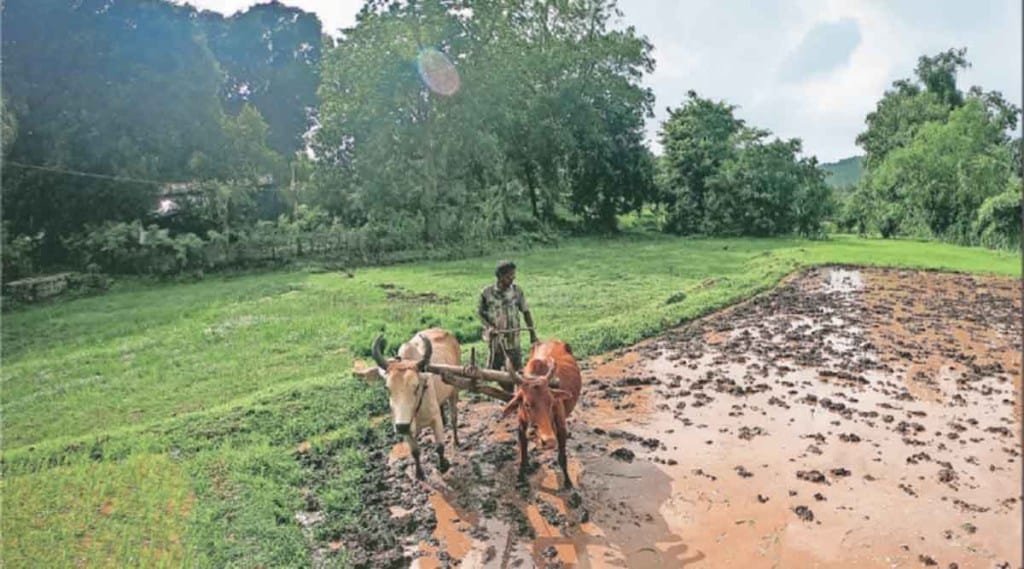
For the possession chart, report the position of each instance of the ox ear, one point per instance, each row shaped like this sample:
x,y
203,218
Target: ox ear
x,y
561,394
512,405
369,373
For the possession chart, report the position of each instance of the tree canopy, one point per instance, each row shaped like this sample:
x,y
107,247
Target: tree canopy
x,y
722,177
934,155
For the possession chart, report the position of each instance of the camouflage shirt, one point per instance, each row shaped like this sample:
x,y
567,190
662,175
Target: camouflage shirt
x,y
502,308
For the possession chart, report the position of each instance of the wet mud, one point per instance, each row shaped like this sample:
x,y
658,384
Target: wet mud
x,y
848,418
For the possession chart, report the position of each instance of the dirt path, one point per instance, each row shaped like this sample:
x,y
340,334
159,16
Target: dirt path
x,y
866,418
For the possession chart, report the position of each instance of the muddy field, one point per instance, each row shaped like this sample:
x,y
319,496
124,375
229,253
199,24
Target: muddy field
x,y
849,418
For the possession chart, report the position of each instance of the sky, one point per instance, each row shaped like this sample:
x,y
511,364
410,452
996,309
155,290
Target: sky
x,y
808,69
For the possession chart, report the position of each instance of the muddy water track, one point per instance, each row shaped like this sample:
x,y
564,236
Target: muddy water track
x,y
850,417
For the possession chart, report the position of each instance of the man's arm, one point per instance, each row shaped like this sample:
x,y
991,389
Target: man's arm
x,y
529,323
481,311
524,307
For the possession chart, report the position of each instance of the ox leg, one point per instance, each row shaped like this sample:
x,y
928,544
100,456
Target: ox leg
x,y
442,462
522,451
414,447
561,435
453,410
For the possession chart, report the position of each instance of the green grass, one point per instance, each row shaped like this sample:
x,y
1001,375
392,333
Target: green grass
x,y
229,375
132,513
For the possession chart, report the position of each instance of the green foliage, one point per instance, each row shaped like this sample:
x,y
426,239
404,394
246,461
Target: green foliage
x,y
131,248
720,177
131,91
697,138
942,177
895,120
998,222
934,156
549,110
127,91
938,74
1017,155
855,212
765,190
20,254
270,55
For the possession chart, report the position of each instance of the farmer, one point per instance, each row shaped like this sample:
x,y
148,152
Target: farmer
x,y
500,305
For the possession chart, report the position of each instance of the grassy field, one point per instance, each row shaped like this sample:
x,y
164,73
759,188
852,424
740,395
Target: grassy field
x,y
187,423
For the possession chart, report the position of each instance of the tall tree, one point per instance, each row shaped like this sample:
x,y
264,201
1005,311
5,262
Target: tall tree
x,y
548,114
934,154
909,104
270,55
697,138
124,89
942,177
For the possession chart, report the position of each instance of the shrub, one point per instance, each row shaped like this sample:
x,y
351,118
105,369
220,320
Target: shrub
x,y
998,222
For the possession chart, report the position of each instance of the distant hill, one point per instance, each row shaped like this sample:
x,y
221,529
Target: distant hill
x,y
845,173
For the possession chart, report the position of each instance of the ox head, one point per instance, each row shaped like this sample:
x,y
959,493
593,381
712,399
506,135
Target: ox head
x,y
405,380
536,398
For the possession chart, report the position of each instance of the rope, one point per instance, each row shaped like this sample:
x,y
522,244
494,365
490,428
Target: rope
x,y
85,174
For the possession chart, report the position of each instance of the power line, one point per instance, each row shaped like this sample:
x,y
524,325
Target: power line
x,y
85,174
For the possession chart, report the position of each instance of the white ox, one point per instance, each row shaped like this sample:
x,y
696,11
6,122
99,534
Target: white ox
x,y
416,396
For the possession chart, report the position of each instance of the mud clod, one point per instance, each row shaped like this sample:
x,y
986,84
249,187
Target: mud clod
x,y
804,513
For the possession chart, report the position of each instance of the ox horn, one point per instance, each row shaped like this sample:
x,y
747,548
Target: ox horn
x,y
378,346
428,349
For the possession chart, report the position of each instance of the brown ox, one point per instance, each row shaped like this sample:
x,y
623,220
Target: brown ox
x,y
547,393
416,396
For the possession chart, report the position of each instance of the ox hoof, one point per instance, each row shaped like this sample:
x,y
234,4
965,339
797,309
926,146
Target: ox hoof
x,y
419,475
567,485
443,465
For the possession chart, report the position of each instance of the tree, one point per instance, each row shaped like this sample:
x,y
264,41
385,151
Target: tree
x,y
934,155
942,177
1017,155
903,109
548,114
270,55
764,190
938,74
721,177
896,119
697,139
232,179
121,89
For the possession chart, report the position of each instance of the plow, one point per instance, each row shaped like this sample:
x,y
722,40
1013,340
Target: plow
x,y
470,377
475,379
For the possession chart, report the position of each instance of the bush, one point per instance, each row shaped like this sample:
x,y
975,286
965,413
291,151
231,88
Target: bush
x,y
998,222
20,254
130,248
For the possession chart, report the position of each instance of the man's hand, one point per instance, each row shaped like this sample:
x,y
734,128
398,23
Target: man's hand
x,y
487,334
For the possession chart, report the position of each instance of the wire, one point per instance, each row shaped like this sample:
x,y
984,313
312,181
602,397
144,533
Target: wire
x,y
84,174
